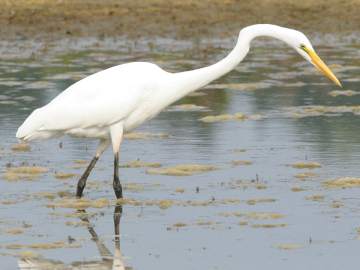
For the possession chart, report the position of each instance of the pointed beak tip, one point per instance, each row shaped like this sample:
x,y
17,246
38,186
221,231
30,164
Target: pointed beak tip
x,y
322,67
337,82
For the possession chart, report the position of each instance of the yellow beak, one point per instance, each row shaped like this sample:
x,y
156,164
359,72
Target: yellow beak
x,y
322,67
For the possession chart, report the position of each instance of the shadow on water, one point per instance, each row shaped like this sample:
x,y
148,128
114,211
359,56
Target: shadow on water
x,y
108,260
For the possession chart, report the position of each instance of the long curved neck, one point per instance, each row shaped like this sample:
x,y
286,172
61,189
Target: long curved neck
x,y
189,81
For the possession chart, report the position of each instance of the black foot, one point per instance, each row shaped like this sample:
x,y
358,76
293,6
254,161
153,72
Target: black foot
x,y
82,181
117,188
80,187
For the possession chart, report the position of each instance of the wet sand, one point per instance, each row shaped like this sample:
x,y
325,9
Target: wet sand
x,y
46,19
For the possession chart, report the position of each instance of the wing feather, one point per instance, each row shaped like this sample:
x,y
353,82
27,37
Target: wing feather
x,y
99,100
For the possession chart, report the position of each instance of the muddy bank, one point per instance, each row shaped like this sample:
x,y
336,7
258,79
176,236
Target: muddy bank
x,y
46,19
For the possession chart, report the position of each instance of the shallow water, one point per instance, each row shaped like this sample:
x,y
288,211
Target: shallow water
x,y
210,220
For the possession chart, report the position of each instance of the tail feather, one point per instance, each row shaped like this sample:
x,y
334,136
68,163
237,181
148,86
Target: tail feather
x,y
31,127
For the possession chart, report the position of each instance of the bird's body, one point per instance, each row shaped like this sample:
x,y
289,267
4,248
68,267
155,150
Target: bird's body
x,y
114,101
89,107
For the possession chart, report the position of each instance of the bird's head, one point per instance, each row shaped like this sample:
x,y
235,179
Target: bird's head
x,y
302,45
294,39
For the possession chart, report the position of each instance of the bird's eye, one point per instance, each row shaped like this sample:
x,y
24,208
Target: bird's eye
x,y
303,47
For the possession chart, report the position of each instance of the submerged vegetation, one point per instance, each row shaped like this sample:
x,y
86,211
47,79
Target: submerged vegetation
x,y
306,165
183,169
228,117
21,147
289,246
319,110
140,164
24,173
79,203
144,135
343,182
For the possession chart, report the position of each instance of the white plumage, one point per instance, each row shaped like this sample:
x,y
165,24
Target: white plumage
x,y
91,105
114,101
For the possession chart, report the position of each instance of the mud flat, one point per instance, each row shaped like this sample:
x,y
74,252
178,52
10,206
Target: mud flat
x,y
158,18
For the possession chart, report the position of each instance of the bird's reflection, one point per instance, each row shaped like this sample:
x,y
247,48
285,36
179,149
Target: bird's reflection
x,y
108,261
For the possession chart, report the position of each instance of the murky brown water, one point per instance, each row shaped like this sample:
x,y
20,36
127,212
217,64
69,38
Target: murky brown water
x,y
253,209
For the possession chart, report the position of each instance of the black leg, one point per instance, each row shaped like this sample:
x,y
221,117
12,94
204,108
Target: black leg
x,y
82,181
116,184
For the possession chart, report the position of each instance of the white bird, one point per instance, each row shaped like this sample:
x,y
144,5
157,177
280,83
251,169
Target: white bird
x,y
114,101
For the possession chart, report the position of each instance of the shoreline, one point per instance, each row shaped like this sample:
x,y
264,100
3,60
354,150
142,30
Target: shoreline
x,y
48,20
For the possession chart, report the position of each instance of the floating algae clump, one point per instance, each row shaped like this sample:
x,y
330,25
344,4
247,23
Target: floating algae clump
x,y
20,147
316,198
254,215
182,170
164,204
23,173
8,202
343,182
77,223
347,93
80,164
46,195
134,187
239,150
27,170
309,111
80,161
264,215
187,107
268,226
297,189
28,254
223,117
228,117
260,200
289,246
241,162
244,184
79,203
145,136
204,223
14,231
306,165
51,245
305,175
140,164
64,175
14,246
179,225
241,86
336,204
220,118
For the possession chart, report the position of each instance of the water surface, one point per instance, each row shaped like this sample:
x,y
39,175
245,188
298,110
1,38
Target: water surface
x,y
210,223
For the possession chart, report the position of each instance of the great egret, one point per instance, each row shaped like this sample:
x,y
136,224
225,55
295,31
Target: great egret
x,y
114,101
